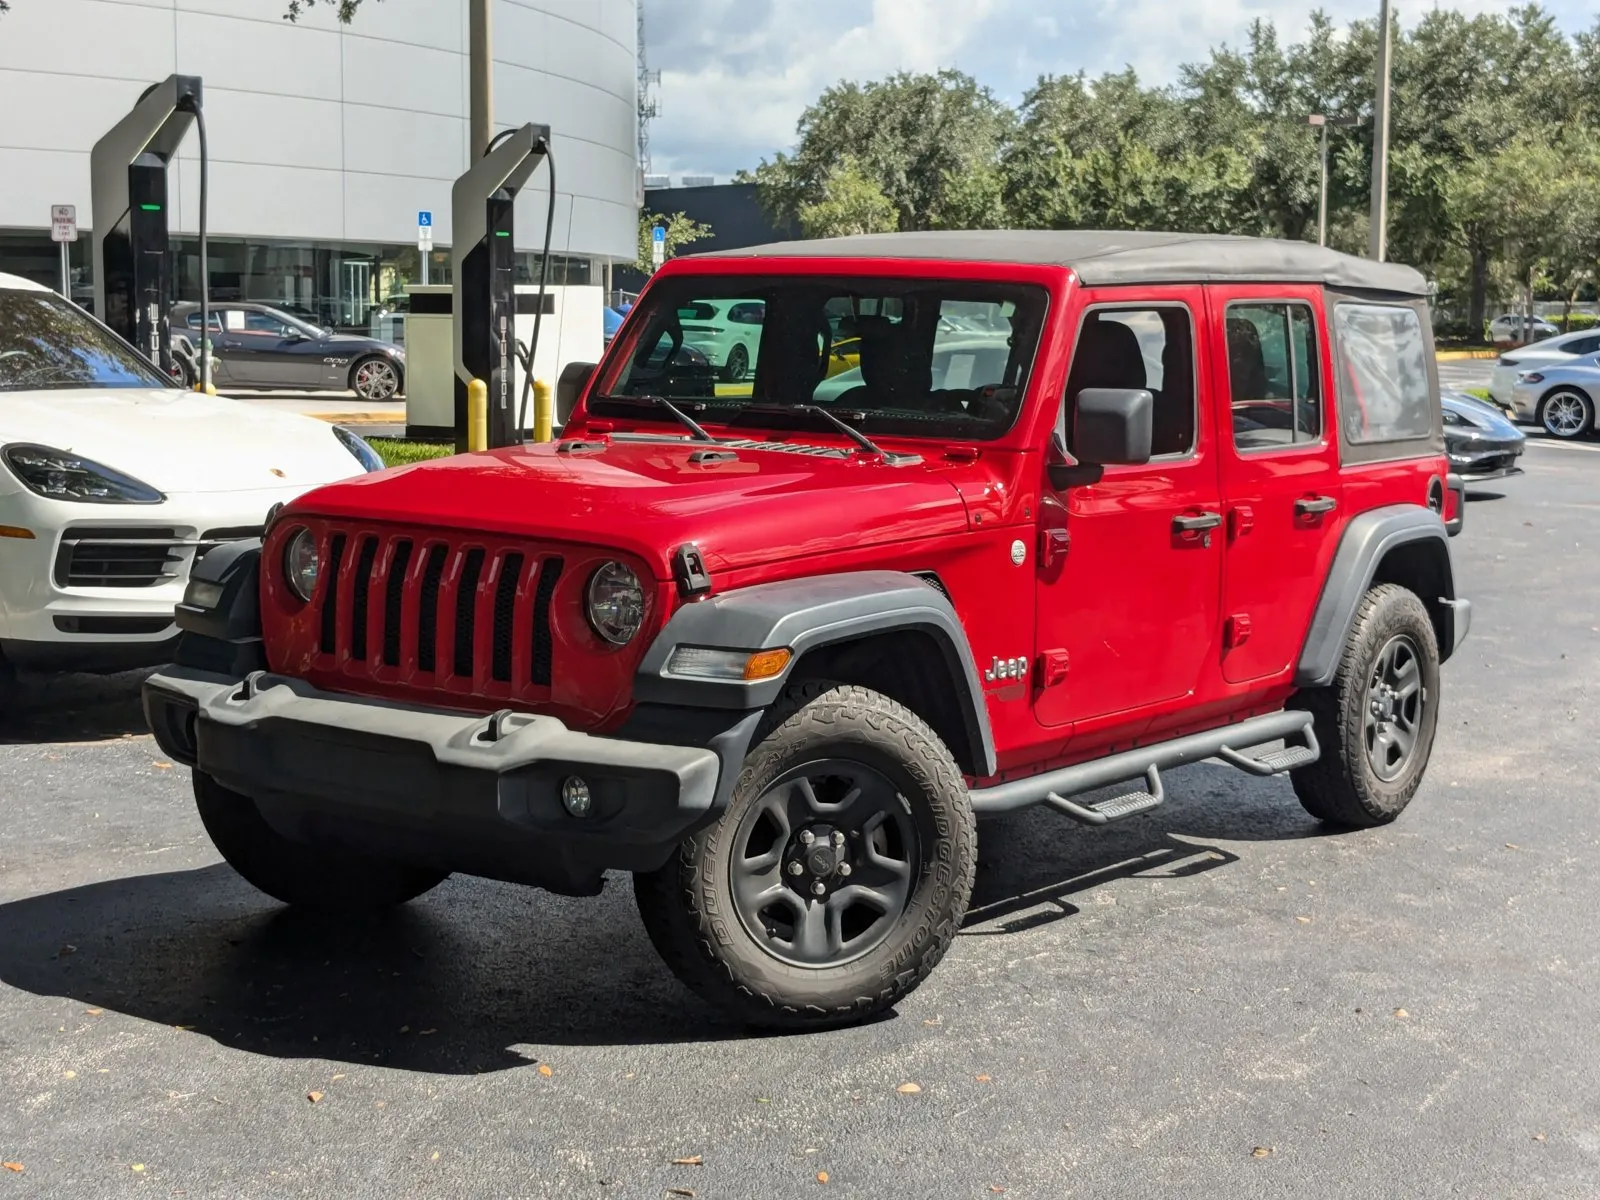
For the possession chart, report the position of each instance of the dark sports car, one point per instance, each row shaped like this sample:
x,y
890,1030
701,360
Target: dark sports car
x,y
260,347
1481,442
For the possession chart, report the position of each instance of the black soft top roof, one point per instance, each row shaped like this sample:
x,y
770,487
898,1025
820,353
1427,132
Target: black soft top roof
x,y
1109,258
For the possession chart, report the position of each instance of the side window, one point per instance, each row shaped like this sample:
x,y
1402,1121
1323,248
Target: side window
x,y
1586,345
1385,395
747,314
255,322
1273,375
1142,348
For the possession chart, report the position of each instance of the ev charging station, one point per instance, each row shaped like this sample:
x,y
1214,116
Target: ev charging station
x,y
133,284
483,256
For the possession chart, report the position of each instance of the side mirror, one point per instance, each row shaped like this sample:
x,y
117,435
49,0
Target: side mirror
x,y
1113,426
570,387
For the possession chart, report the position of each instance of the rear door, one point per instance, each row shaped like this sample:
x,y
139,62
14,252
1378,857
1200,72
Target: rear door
x,y
1279,455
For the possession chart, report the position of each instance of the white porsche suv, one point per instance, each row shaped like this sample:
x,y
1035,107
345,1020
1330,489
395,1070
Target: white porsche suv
x,y
113,482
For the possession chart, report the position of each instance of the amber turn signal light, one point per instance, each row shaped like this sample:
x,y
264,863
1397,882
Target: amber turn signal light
x,y
766,664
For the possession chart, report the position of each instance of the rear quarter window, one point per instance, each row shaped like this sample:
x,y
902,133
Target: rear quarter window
x,y
1385,391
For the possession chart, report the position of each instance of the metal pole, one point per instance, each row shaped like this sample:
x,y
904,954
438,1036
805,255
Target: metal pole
x,y
66,272
1322,205
427,257
1379,245
480,71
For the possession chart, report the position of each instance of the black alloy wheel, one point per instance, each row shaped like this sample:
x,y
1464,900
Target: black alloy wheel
x,y
1395,703
823,863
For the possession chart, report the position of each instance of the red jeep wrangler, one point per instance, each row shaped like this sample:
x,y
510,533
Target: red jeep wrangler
x,y
995,520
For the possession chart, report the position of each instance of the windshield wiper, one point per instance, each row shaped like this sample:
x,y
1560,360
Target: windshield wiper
x,y
850,431
683,418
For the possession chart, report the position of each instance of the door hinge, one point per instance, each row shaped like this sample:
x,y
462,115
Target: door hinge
x,y
1053,547
1241,520
1053,666
1236,630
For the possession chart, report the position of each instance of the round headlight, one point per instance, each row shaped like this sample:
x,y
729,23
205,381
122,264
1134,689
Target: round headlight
x,y
300,564
616,603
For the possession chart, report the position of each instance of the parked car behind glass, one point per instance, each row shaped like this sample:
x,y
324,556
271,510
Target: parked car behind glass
x,y
261,347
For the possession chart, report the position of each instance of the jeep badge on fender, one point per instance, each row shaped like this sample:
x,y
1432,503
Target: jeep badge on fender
x,y
773,648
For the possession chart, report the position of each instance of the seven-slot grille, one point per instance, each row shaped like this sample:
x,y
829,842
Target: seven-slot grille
x,y
134,556
399,607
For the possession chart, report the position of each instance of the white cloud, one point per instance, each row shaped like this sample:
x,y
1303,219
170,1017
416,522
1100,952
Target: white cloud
x,y
737,74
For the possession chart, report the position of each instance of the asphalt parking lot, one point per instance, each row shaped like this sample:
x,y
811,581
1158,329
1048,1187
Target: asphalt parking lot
x,y
1221,998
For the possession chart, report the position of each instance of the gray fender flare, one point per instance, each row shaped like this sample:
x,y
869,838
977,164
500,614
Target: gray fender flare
x,y
805,614
1367,539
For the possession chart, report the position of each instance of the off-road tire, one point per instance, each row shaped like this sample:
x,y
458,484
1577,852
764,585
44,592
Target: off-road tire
x,y
687,907
1342,786
299,874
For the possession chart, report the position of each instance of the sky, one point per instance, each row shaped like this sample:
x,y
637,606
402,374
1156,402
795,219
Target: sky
x,y
737,74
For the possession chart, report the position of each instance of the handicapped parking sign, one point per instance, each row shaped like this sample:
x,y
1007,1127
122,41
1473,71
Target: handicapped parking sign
x,y
424,220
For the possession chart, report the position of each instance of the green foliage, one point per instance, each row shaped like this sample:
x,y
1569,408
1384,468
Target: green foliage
x,y
397,452
1494,138
849,203
681,231
916,136
346,9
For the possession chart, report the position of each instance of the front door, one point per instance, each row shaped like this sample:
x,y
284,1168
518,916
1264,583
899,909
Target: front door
x,y
1278,447
1130,564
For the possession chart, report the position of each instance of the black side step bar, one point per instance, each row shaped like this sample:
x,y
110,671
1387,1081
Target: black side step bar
x,y
1054,787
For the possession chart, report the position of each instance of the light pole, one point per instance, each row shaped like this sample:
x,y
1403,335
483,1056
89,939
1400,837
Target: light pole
x,y
1321,121
480,88
1379,245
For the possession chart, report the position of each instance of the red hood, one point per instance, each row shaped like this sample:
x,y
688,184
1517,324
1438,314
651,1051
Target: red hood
x,y
648,498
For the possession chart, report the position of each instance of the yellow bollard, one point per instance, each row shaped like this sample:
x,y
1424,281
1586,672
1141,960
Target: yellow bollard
x,y
477,415
543,411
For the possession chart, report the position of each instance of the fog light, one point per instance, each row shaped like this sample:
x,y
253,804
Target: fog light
x,y
575,797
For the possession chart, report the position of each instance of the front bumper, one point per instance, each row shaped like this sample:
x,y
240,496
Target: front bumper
x,y
52,617
454,791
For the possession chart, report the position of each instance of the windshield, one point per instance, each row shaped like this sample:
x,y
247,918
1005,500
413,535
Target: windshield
x,y
915,357
46,342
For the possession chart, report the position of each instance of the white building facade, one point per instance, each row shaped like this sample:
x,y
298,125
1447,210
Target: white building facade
x,y
326,141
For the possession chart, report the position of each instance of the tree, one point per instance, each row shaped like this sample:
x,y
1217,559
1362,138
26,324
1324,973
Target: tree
x,y
850,203
681,231
915,136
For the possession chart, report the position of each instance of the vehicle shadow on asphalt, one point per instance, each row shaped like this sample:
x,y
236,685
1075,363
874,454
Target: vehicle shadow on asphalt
x,y
71,708
457,981
451,984
1031,863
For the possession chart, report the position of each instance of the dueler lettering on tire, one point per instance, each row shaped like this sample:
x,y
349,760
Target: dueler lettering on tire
x,y
838,875
1376,721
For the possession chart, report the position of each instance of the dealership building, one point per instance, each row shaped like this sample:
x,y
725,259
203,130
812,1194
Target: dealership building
x,y
326,141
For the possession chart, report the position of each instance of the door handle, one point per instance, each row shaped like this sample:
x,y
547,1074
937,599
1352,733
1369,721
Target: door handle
x,y
1315,506
1196,522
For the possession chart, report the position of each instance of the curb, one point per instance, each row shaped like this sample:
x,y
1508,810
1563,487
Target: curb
x,y
1465,355
360,418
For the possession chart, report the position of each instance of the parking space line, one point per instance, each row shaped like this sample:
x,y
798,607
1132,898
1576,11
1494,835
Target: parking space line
x,y
1588,449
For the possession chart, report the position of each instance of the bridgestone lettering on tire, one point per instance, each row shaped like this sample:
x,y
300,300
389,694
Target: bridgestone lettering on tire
x,y
299,874
770,978
1375,728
